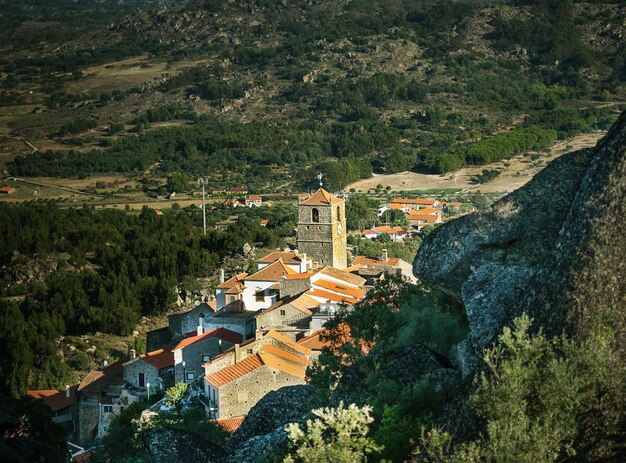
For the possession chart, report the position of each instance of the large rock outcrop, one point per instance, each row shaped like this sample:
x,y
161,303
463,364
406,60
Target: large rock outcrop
x,y
555,249
263,430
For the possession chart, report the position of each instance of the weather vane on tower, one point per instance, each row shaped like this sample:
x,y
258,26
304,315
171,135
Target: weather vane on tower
x,y
319,177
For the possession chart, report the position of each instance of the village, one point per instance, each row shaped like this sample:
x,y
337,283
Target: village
x,y
258,332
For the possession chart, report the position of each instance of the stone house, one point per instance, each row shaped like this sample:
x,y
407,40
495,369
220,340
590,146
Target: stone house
x,y
62,403
100,398
397,234
155,368
294,311
362,264
240,352
182,323
192,352
234,390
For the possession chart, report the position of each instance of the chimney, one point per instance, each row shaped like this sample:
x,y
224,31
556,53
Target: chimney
x,y
303,264
133,354
385,256
199,330
67,390
237,353
222,276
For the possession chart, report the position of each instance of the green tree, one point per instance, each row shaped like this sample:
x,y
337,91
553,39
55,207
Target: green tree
x,y
337,435
175,394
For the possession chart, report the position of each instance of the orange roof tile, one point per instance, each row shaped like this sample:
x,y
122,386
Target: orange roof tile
x,y
320,198
53,398
301,302
280,363
253,198
299,276
161,358
361,261
230,424
420,201
341,275
347,290
233,372
221,333
397,207
314,341
331,296
288,257
232,281
273,272
430,210
285,340
98,380
293,358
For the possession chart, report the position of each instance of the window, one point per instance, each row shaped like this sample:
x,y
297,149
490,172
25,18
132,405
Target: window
x,y
338,213
260,296
206,358
232,299
282,313
315,215
141,380
189,376
107,409
249,351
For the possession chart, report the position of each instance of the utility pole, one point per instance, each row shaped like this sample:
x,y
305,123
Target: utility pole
x,y
203,182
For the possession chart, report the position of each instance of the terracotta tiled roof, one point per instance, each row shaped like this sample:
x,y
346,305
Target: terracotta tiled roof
x,y
454,204
237,288
273,272
328,296
288,257
281,363
161,358
293,358
428,218
233,372
81,457
97,380
362,261
253,198
285,340
314,341
299,276
54,399
341,275
264,222
388,229
232,281
230,424
430,210
397,207
419,201
220,333
301,302
320,198
337,288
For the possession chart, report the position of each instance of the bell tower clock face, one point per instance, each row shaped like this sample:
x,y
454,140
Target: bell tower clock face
x,y
339,229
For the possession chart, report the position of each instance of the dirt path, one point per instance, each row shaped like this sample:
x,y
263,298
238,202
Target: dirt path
x,y
515,172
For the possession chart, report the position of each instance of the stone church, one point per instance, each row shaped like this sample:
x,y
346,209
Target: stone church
x,y
322,229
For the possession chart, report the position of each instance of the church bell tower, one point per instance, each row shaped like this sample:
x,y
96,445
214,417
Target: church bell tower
x,y
322,229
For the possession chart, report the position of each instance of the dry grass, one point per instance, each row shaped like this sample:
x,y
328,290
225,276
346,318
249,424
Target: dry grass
x,y
515,172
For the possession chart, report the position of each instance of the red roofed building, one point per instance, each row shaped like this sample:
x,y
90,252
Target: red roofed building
x,y
416,203
192,352
61,402
235,389
264,222
155,368
396,233
253,200
230,425
6,190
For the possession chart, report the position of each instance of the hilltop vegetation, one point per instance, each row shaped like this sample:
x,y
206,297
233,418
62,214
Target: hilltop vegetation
x,y
319,86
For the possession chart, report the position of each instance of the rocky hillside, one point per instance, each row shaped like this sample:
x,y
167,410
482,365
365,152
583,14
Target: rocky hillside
x,y
554,249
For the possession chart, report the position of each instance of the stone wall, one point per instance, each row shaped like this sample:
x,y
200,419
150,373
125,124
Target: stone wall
x,y
274,318
292,287
192,355
88,413
139,365
324,241
238,397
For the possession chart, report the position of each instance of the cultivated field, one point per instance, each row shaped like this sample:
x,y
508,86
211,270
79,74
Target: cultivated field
x,y
515,172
